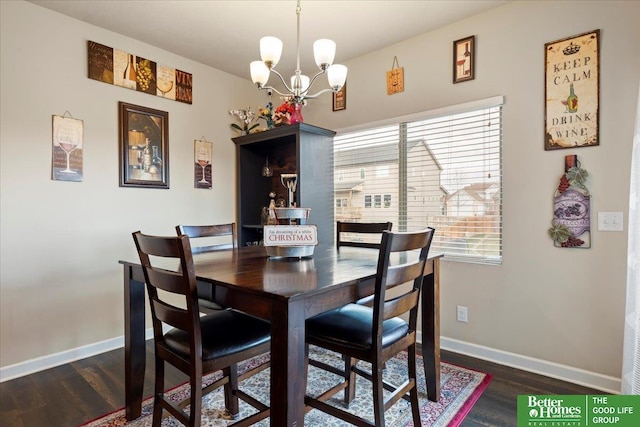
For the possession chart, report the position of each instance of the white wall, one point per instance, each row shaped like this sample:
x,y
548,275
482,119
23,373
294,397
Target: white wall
x,y
564,306
61,284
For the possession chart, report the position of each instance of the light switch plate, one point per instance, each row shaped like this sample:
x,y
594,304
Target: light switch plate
x,y
610,221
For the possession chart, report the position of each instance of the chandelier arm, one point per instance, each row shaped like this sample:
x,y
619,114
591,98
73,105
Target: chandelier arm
x,y
273,70
315,95
275,90
313,79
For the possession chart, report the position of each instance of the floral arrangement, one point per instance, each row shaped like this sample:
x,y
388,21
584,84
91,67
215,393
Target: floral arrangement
x,y
289,111
266,114
246,117
283,113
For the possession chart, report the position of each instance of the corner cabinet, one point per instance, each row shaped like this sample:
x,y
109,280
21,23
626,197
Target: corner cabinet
x,y
302,149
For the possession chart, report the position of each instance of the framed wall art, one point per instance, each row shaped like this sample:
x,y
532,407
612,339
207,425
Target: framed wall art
x,y
464,59
572,75
340,99
130,71
144,147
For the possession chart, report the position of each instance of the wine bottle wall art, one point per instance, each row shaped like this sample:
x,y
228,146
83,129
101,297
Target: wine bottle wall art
x,y
130,71
571,224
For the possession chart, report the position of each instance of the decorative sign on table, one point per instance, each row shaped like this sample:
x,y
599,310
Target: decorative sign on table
x,y
290,235
290,241
572,74
124,69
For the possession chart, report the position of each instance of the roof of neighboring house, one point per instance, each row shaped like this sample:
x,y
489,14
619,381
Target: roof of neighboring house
x,y
474,190
381,153
348,185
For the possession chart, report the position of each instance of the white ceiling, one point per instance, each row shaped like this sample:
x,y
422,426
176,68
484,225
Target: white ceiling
x,y
226,34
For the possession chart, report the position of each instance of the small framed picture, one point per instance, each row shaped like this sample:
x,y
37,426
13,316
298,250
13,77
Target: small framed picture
x,y
144,147
340,99
464,58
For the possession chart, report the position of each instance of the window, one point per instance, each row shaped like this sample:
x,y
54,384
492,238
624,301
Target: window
x,y
362,173
342,202
441,169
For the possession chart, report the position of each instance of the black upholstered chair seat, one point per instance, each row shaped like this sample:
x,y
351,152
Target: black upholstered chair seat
x,y
224,332
350,326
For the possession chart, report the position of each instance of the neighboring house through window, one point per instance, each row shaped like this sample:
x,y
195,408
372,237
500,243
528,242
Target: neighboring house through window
x,y
438,168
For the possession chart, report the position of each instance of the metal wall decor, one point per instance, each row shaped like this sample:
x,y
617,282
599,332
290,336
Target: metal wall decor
x,y
572,75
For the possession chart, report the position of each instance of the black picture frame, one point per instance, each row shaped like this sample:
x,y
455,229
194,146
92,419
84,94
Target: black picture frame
x,y
464,59
144,147
340,99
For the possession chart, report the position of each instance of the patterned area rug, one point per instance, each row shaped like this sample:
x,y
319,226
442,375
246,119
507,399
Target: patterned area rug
x,y
460,389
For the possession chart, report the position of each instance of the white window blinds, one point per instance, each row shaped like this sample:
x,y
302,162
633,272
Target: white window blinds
x,y
440,169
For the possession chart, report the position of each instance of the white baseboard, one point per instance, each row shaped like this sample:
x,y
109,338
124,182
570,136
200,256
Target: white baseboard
x,y
52,360
570,374
562,372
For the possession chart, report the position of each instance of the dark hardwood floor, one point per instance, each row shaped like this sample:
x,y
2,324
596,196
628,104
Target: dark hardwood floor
x,y
72,394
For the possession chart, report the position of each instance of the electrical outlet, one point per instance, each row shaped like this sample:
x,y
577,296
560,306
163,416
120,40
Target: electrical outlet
x,y
462,314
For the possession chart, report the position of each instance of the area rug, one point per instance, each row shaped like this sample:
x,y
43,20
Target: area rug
x,y
460,389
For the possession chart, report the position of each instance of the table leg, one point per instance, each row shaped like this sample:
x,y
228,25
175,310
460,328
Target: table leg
x,y
288,376
134,343
431,330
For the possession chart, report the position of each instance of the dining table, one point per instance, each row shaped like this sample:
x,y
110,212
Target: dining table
x,y
286,292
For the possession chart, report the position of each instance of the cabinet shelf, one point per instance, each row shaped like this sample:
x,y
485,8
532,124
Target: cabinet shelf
x,y
303,149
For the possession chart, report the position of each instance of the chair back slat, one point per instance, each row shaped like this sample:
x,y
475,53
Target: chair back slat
x,y
202,234
399,274
368,229
172,315
399,305
167,280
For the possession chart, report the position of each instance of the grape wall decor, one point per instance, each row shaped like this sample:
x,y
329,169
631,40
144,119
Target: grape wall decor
x,y
124,69
571,208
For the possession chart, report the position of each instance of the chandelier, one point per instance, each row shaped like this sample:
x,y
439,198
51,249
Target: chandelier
x,y
324,51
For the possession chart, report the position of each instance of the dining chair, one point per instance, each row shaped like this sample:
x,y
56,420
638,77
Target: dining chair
x,y
358,233
363,230
196,345
376,334
209,238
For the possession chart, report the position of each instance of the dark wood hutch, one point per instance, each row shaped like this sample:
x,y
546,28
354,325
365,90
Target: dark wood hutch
x,y
301,148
